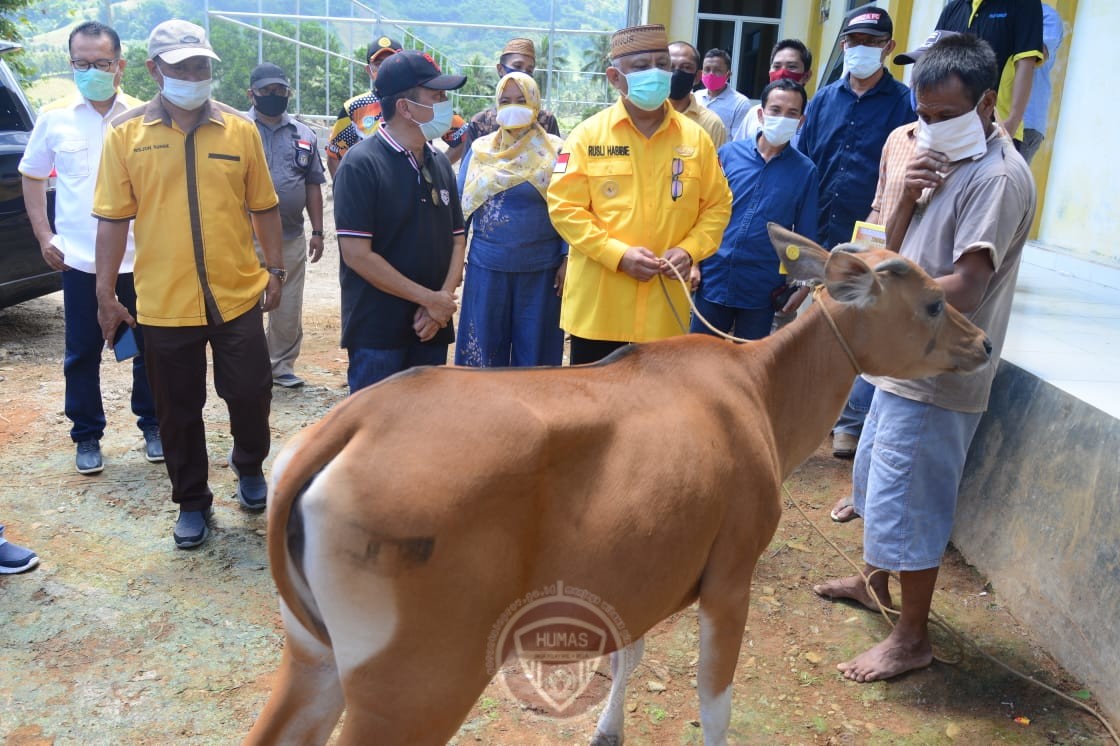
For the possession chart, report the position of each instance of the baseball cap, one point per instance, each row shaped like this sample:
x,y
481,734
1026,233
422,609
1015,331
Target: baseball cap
x,y
381,46
266,74
409,69
909,58
868,20
174,41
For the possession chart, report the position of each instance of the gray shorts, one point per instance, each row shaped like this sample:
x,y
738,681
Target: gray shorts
x,y
905,479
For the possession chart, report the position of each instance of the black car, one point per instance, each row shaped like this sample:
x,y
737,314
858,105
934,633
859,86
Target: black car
x,y
23,273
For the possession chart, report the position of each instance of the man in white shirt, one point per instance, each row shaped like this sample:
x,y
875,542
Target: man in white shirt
x,y
67,139
718,95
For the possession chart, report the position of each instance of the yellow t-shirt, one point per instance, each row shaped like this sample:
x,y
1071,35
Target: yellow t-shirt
x,y
189,194
612,188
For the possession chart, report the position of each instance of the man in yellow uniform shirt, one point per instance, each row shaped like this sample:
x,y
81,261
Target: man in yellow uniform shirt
x,y
191,174
636,188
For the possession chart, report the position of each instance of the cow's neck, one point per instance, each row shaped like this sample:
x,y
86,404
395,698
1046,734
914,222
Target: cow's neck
x,y
809,377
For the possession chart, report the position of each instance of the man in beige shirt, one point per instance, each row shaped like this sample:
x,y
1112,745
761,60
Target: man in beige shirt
x,y
686,62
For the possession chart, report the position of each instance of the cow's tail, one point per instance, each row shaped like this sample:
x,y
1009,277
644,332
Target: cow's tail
x,y
293,472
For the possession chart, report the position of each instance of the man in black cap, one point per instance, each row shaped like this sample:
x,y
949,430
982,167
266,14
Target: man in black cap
x,y
361,114
848,121
400,227
845,127
297,174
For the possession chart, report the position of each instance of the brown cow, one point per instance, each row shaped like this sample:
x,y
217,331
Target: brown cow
x,y
407,521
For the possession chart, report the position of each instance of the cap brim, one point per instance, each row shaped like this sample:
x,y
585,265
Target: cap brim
x,y
175,56
269,81
908,58
867,32
445,82
383,52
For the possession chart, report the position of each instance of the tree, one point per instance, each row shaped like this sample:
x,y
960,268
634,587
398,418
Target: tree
x,y
12,23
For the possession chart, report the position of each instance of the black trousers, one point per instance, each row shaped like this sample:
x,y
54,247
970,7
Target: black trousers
x,y
591,350
176,362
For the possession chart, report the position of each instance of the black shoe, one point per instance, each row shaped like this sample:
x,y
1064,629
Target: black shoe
x,y
192,528
88,460
252,489
153,446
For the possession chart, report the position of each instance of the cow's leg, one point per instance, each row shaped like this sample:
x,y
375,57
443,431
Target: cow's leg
x,y
608,732
721,635
306,699
417,692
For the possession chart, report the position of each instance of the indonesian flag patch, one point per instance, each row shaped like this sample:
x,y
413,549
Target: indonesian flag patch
x,y
561,163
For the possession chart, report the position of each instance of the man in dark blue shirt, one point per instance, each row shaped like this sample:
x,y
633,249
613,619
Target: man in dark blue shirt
x,y
849,120
770,182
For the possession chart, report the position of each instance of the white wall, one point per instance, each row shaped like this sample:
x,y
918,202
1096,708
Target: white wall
x,y
1081,213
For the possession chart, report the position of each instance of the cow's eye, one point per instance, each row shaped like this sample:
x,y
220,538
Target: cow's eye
x,y
934,309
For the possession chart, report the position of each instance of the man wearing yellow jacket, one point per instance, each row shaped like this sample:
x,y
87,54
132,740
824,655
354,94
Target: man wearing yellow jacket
x,y
636,188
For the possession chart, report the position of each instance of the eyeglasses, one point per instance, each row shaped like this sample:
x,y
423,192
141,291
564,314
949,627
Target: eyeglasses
x,y
103,65
428,180
860,40
676,188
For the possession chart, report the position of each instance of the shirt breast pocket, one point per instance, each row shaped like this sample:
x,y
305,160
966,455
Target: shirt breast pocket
x,y
684,183
611,183
72,159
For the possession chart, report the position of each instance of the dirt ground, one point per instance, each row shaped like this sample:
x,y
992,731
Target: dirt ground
x,y
118,638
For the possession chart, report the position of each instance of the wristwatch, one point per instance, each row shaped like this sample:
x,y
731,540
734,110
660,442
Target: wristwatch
x,y
280,272
317,233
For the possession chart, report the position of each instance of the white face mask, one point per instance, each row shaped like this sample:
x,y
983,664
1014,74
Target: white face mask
x,y
513,116
779,130
958,138
186,94
863,62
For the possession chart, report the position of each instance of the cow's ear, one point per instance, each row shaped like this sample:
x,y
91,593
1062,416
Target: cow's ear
x,y
850,279
803,259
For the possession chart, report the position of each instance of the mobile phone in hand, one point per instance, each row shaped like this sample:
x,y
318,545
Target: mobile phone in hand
x,y
124,344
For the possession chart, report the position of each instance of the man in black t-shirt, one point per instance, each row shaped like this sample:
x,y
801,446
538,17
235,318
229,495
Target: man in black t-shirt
x,y
400,228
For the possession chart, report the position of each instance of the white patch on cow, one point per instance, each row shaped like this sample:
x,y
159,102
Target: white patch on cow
x,y
623,663
358,608
715,707
278,466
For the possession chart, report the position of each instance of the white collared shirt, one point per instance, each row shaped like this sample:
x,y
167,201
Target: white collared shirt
x,y
67,139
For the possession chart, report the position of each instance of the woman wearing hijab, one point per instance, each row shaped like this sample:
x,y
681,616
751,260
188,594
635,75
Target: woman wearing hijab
x,y
510,314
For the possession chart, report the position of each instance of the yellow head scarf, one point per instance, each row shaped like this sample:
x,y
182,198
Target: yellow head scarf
x,y
509,156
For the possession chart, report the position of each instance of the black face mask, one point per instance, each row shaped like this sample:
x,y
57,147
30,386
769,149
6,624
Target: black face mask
x,y
681,84
271,105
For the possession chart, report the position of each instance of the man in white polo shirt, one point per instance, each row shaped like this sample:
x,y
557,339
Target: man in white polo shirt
x,y
67,139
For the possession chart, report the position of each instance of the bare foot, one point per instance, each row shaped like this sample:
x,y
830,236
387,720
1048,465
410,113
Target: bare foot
x,y
853,588
891,657
844,510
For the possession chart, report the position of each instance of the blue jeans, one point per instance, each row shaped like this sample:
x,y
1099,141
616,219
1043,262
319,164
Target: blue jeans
x,y
855,410
905,479
369,365
745,323
81,364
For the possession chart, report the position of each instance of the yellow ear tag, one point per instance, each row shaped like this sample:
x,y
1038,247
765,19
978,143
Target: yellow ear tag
x,y
792,253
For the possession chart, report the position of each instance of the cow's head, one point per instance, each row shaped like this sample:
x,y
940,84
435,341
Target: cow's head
x,y
895,318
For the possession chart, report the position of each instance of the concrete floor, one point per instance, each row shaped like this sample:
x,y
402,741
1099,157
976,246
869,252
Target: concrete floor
x,y
1065,326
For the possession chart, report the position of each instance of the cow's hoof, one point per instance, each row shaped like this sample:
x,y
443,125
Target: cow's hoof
x,y
601,739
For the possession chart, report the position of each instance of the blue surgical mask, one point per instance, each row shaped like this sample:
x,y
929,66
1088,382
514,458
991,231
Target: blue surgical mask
x,y
648,89
442,114
96,85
